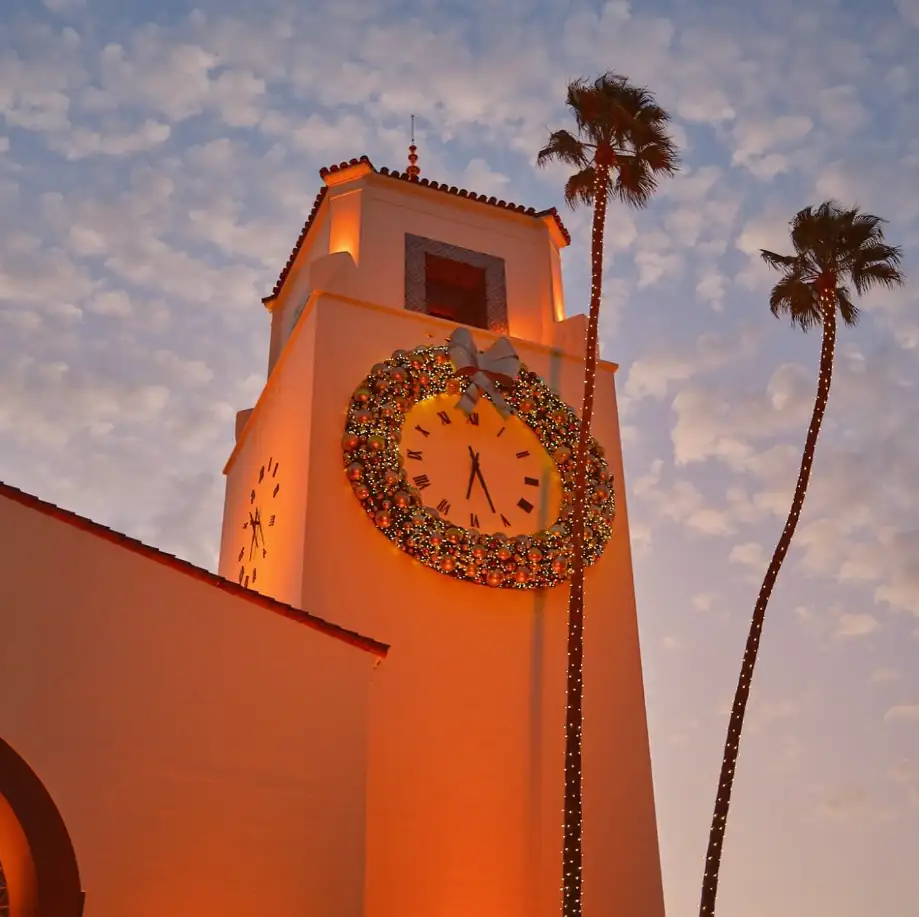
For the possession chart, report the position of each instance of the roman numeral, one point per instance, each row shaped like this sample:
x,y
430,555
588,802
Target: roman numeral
x,y
254,573
242,551
242,573
252,497
473,521
422,481
473,418
246,581
444,507
414,454
505,521
422,430
275,472
523,454
532,482
501,430
261,474
271,520
525,505
277,487
444,417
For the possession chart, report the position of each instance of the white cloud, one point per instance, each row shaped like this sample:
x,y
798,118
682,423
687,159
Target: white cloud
x,y
749,554
907,713
856,625
884,675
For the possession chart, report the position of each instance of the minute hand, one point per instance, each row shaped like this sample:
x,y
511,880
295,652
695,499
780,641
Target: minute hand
x,y
478,472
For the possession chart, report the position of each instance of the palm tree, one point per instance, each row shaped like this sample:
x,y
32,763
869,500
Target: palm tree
x,y
833,247
620,150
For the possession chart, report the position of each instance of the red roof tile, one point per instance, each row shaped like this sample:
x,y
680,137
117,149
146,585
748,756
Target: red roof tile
x,y
404,176
199,573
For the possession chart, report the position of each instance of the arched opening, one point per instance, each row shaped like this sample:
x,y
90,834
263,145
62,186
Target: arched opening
x,y
37,861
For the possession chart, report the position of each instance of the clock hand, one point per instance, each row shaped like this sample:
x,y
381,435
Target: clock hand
x,y
475,466
478,471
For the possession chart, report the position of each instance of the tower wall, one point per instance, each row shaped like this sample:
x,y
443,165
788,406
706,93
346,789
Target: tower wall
x,y
465,780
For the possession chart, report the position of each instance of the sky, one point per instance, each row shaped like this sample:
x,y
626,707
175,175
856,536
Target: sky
x,y
157,160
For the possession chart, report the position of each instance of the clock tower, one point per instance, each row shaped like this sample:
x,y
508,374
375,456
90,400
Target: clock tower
x,y
403,474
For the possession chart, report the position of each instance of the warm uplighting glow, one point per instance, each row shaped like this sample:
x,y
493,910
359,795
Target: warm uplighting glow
x,y
345,227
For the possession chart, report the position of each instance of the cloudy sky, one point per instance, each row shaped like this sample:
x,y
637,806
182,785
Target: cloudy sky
x,y
157,160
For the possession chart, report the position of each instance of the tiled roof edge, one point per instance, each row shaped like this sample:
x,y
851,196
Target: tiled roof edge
x,y
183,566
404,176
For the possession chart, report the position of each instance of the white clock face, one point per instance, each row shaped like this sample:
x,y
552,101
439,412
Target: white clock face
x,y
480,471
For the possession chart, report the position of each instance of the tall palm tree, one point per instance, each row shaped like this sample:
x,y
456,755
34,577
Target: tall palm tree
x,y
620,150
833,247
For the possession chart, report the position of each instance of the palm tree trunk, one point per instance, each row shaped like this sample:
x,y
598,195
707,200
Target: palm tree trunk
x,y
571,852
741,695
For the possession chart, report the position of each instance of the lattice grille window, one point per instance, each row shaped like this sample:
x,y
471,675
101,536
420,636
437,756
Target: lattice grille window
x,y
455,283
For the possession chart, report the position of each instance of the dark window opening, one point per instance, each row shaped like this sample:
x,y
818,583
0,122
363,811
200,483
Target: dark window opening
x,y
455,291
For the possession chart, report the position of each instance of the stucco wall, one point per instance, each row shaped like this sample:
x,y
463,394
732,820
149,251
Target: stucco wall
x,y
390,210
369,217
466,760
207,755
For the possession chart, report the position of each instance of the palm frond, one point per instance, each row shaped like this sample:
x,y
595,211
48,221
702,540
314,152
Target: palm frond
x,y
563,147
833,246
634,181
876,274
775,260
794,298
847,309
579,189
620,129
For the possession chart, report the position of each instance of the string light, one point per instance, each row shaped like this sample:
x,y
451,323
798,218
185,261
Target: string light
x,y
572,845
374,466
827,301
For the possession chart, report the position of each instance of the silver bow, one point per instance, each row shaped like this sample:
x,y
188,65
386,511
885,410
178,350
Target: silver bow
x,y
499,363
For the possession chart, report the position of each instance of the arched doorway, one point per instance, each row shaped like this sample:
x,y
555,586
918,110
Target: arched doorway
x,y
4,897
38,866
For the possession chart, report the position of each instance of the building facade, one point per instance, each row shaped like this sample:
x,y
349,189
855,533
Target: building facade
x,y
231,744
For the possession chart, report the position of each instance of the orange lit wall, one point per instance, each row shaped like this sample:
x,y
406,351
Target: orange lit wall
x,y
208,756
465,773
373,213
345,226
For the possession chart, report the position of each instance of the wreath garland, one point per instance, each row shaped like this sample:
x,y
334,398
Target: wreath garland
x,y
374,466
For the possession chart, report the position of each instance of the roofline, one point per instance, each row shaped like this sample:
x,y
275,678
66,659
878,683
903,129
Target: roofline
x,y
334,175
189,569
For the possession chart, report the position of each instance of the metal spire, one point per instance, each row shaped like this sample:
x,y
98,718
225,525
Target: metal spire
x,y
413,171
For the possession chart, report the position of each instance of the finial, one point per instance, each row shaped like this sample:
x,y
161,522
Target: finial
x,y
413,171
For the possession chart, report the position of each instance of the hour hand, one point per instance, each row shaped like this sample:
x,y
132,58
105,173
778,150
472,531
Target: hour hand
x,y
473,472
